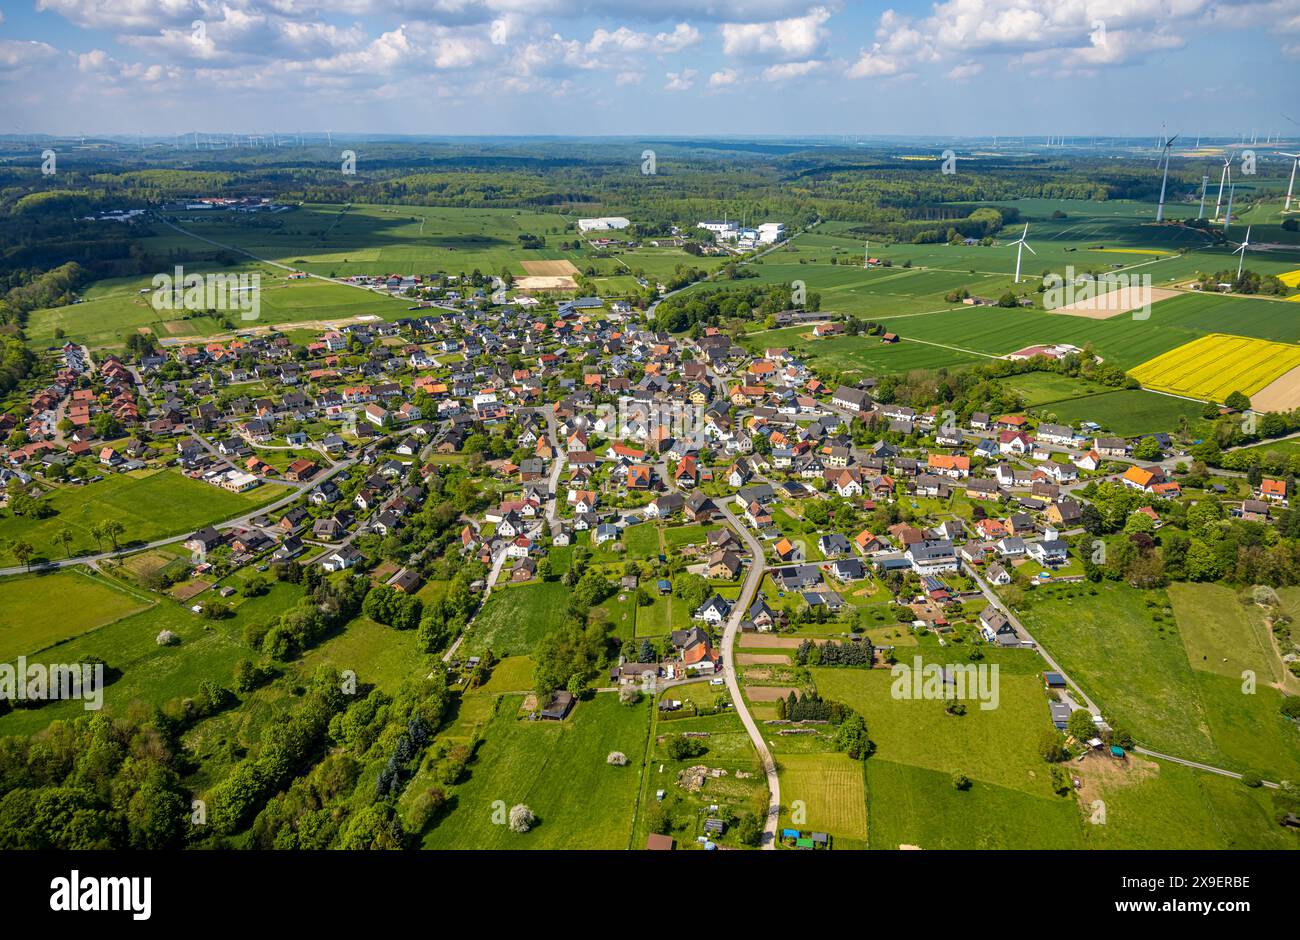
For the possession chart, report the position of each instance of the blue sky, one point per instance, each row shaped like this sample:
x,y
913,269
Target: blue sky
x,y
654,67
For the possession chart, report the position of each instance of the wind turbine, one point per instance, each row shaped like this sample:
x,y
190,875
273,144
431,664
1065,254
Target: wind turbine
x,y
1241,249
1160,209
1020,244
1295,161
1228,217
1200,213
1226,175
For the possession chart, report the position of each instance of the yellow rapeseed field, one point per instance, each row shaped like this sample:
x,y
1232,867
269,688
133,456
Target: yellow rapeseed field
x,y
1215,365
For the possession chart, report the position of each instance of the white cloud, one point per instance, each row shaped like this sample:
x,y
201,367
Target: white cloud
x,y
875,63
788,70
19,54
795,39
965,71
680,81
625,40
724,77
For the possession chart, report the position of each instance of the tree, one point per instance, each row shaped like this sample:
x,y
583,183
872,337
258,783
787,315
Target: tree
x,y
112,530
1051,746
521,818
1080,725
851,737
1237,401
65,538
23,551
960,782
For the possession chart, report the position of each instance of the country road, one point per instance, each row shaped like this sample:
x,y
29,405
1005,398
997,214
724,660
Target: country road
x,y
752,580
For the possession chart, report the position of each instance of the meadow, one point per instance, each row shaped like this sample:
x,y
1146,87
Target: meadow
x,y
153,674
557,769
113,309
515,618
150,504
1158,669
39,611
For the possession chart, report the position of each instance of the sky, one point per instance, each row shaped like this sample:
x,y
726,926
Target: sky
x,y
650,67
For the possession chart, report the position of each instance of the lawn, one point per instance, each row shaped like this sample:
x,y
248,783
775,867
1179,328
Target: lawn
x,y
1159,805
910,805
1164,679
830,787
150,504
155,674
558,769
379,655
38,611
515,618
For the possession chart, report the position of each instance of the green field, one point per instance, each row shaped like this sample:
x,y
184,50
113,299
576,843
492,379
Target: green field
x,y
150,505
1166,681
830,787
515,618
39,611
112,309
153,674
558,770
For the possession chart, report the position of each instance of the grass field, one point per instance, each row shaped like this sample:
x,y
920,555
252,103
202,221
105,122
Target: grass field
x,y
1216,365
1158,805
1127,412
557,769
830,787
150,504
113,309
1162,679
911,805
154,674
515,618
39,611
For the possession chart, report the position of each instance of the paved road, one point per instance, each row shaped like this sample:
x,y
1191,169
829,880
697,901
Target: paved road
x,y
747,592
1198,766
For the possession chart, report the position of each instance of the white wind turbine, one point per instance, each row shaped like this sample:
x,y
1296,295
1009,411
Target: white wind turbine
x,y
1241,249
1295,161
1225,176
1227,218
1160,209
1020,244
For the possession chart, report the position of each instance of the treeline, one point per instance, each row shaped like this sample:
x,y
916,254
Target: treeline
x,y
710,306
835,653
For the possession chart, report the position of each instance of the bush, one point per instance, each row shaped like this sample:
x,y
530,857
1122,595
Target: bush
x,y
1251,780
960,782
616,759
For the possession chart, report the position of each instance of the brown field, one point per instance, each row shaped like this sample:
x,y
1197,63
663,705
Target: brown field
x,y
550,268
1282,394
758,659
766,641
1104,305
768,693
537,282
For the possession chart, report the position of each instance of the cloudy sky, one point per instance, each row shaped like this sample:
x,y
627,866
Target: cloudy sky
x,y
958,67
